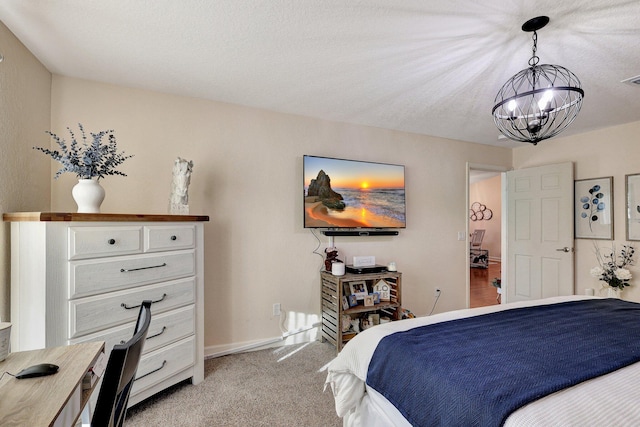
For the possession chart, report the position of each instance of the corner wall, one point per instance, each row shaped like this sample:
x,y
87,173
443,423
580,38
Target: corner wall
x,y
25,106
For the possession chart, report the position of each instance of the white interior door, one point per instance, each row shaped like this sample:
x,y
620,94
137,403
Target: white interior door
x,y
539,233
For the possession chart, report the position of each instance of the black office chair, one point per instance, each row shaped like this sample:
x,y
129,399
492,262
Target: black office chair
x,y
120,373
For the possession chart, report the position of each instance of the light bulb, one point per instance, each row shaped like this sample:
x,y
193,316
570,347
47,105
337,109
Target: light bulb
x,y
543,104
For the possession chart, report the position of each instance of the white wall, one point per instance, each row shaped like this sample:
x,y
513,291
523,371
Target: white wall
x,y
612,152
25,104
248,179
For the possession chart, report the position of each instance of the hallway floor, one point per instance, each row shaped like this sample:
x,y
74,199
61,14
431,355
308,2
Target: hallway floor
x,y
482,293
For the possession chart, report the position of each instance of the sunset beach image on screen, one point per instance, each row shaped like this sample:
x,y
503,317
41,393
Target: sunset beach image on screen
x,y
340,193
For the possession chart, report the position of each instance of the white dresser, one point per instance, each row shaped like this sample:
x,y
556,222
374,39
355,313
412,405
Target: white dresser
x,y
81,277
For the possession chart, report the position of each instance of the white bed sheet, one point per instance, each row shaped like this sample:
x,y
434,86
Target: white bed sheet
x,y
610,400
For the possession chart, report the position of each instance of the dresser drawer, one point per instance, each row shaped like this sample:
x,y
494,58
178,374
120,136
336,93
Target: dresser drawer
x,y
163,238
90,277
165,328
92,242
100,312
163,363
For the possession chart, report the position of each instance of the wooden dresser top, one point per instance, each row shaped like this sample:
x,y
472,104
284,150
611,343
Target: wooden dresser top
x,y
100,217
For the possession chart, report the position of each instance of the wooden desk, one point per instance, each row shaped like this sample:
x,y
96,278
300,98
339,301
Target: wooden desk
x,y
52,400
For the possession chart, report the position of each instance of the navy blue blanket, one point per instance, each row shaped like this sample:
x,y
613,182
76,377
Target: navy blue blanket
x,y
476,371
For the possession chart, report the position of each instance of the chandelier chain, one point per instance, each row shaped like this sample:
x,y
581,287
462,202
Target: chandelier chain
x,y
533,61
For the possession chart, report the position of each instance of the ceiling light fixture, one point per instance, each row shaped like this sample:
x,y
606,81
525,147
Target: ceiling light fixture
x,y
539,102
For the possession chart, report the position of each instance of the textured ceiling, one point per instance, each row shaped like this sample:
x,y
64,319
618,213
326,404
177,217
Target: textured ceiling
x,y
424,66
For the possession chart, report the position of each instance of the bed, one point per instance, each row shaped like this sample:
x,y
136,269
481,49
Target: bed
x,y
609,397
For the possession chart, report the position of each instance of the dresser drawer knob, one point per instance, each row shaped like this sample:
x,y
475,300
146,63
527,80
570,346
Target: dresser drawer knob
x,y
164,362
127,270
174,237
129,307
112,241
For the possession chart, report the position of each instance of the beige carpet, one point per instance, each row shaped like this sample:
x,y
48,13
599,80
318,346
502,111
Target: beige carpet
x,y
275,387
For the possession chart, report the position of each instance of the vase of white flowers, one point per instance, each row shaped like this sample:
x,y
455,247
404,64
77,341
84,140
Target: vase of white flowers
x,y
612,269
90,161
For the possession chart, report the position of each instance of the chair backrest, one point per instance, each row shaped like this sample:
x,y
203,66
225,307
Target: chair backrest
x,y
119,374
476,238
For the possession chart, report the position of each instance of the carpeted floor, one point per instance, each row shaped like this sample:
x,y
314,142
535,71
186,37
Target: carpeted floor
x,y
275,387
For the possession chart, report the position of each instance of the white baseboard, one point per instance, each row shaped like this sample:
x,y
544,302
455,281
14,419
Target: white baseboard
x,y
225,349
290,337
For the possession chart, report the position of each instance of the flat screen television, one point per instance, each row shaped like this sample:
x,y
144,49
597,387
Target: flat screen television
x,y
348,194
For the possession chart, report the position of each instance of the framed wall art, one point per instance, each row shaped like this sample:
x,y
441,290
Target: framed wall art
x,y
632,185
593,208
479,212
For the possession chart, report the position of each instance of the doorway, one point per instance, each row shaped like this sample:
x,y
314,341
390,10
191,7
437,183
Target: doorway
x,y
484,228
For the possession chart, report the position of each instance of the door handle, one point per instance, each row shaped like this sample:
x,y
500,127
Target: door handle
x,y
565,249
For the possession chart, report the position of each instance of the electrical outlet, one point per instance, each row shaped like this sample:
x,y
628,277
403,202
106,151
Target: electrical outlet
x,y
436,292
276,309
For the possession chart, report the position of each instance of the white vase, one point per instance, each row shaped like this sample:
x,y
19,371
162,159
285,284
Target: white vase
x,y
88,194
613,292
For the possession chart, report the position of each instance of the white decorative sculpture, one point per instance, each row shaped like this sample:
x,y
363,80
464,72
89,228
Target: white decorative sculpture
x,y
179,199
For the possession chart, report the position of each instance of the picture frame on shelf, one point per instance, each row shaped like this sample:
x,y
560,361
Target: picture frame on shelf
x,y
593,208
359,289
345,302
369,300
353,300
632,187
376,297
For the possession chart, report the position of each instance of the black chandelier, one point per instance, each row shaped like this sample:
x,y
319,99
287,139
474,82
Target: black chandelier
x,y
539,102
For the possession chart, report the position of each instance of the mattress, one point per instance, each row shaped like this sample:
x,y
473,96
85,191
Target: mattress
x,y
606,400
